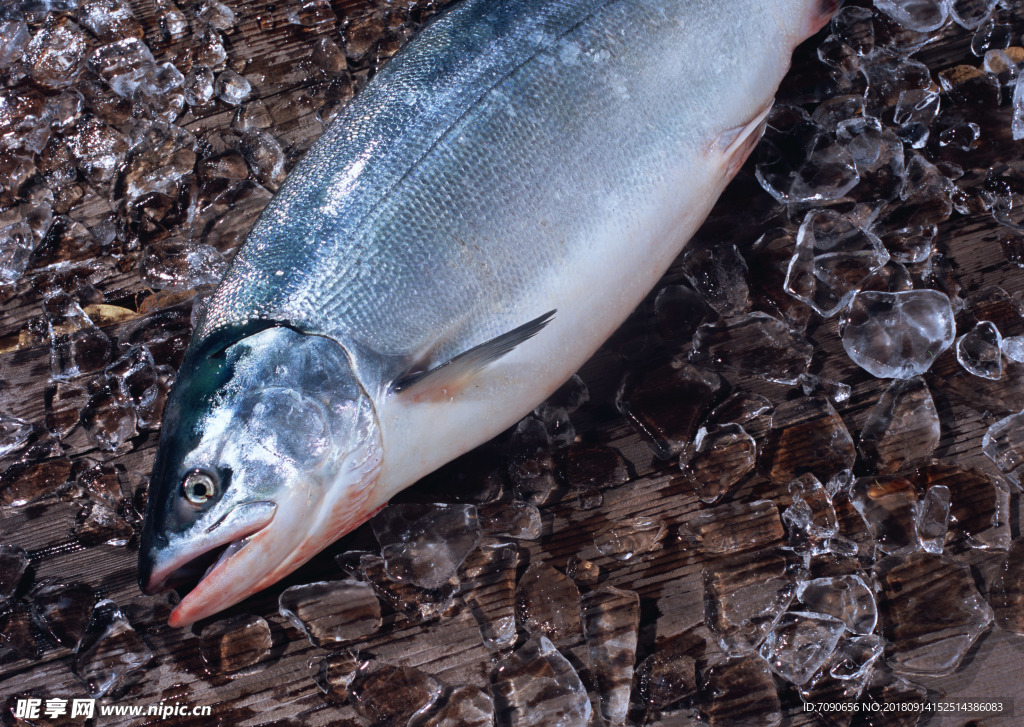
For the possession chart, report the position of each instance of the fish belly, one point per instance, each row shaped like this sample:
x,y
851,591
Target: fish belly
x,y
519,157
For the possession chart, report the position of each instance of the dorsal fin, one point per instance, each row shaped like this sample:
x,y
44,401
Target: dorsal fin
x,y
450,376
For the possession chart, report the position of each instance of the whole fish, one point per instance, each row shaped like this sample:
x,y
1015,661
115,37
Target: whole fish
x,y
465,234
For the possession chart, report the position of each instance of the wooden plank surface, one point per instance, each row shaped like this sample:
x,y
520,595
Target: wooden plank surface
x,y
276,57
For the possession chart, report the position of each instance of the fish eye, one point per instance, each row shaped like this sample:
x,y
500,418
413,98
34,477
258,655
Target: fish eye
x,y
199,487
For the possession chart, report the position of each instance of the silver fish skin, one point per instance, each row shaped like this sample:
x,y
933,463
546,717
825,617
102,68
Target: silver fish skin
x,y
523,166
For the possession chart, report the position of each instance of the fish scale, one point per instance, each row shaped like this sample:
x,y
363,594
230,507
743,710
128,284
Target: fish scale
x,y
465,234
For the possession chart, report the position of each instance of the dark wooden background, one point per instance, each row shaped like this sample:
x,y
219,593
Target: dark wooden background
x,y
276,57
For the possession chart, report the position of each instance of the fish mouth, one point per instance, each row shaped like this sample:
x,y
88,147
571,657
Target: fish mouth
x,y
179,566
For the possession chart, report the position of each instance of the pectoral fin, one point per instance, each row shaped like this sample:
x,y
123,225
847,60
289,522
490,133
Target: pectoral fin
x,y
450,377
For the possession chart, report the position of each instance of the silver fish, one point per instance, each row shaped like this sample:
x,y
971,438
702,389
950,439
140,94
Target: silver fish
x,y
465,234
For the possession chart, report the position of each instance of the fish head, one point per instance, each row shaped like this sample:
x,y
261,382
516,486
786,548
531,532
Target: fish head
x,y
269,451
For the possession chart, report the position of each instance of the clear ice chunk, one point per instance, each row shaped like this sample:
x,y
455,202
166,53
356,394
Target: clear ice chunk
x,y
932,520
923,16
538,687
902,428
737,526
16,245
235,643
390,696
931,612
678,310
13,565
169,265
807,434
198,86
632,537
611,619
800,644
62,610
1006,594
979,351
846,598
217,14
311,13
232,88
489,578
548,604
969,14
333,674
425,544
594,466
1003,443
888,505
77,346
740,691
14,433
719,274
798,161
510,519
123,64
897,335
666,404
979,503
811,520
744,597
756,344
110,651
265,158
418,604
721,457
464,706
666,677
332,612
833,256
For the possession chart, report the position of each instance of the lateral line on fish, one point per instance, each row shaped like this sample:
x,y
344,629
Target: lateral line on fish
x,y
452,374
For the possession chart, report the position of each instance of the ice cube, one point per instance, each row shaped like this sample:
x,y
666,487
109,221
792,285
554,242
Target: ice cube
x,y
806,434
464,706
13,565
425,544
800,644
633,537
110,651
332,612
932,612
888,505
897,335
740,691
538,687
1007,592
390,696
611,619
548,604
16,245
123,64
719,273
798,161
970,14
846,598
756,344
62,610
924,16
232,88
666,404
489,575
902,427
1003,443
738,526
932,519
235,643
722,457
745,596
